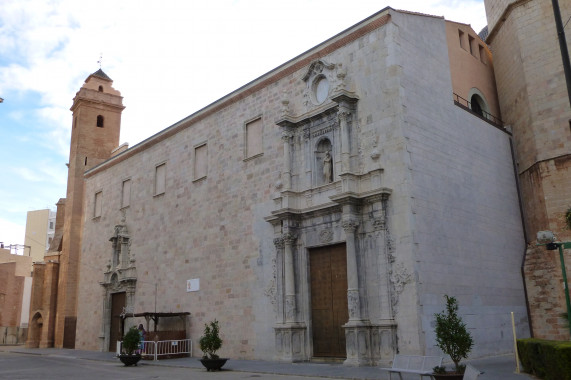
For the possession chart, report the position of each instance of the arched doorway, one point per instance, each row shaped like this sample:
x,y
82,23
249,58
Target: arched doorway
x,y
478,103
35,331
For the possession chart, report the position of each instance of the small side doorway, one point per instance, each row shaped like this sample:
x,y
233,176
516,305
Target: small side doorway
x,y
117,305
329,309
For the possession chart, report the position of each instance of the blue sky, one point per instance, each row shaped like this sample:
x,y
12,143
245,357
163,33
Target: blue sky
x,y
168,59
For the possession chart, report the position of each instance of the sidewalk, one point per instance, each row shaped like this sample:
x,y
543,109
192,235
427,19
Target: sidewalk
x,y
497,368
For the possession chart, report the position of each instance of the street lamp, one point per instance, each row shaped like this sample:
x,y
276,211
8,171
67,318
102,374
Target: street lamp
x,y
547,238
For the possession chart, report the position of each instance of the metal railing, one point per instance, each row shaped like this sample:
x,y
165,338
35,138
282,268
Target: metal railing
x,y
465,104
163,348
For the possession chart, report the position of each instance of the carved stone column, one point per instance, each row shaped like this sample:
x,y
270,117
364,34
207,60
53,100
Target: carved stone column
x,y
290,335
357,331
384,270
354,304
279,276
347,114
290,307
124,251
115,258
286,137
106,323
345,149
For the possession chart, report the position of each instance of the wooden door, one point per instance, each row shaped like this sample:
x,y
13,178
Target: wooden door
x,y
117,305
329,311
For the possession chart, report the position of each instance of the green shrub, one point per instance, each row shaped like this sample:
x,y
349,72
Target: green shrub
x,y
131,340
546,359
452,336
210,342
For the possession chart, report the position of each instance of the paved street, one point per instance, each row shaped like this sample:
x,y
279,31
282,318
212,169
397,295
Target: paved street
x,y
17,362
24,366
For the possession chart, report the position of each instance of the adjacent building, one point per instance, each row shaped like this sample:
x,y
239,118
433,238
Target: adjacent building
x,y
535,102
40,228
15,292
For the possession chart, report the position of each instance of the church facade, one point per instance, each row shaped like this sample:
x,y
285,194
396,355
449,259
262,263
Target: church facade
x,y
322,210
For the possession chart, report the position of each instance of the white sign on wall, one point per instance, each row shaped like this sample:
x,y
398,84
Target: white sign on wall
x,y
193,285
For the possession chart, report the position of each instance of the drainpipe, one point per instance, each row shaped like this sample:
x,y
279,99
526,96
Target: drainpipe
x,y
521,213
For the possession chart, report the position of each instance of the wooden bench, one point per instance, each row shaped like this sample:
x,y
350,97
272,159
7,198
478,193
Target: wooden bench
x,y
420,365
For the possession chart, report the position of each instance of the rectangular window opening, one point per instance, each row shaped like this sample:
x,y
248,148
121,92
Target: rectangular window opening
x,y
160,179
98,204
471,45
482,54
126,193
200,161
461,39
253,143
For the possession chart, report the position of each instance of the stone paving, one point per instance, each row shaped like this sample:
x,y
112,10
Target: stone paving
x,y
497,368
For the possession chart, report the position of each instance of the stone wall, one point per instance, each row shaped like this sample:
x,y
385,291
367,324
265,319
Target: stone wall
x,y
465,231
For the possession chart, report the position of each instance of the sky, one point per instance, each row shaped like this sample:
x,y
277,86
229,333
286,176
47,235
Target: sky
x,y
168,59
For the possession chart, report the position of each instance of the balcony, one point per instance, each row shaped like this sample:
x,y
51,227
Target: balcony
x,y
478,112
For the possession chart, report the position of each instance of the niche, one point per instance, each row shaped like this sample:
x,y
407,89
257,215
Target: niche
x,y
324,162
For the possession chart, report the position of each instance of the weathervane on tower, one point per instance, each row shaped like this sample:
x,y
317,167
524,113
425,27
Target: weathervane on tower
x,y
100,60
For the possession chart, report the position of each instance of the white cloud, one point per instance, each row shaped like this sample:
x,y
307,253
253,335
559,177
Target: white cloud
x,y
168,59
11,233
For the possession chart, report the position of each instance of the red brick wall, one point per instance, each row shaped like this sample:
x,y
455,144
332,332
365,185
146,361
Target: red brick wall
x,y
11,292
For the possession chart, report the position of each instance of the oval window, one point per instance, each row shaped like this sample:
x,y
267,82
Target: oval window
x,y
321,89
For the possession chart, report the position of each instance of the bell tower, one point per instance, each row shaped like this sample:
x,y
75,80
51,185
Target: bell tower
x,y
96,125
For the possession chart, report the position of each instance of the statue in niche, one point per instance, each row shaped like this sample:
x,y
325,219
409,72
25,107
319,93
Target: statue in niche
x,y
327,168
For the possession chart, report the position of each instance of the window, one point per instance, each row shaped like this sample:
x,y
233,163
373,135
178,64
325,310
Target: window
x,y
97,204
471,45
253,144
100,121
200,161
320,89
160,179
51,225
482,54
126,193
100,88
461,39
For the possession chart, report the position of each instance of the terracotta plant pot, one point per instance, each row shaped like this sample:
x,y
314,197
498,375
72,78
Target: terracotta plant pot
x,y
213,364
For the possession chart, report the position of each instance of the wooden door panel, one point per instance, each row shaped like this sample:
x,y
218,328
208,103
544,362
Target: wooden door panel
x,y
328,270
117,305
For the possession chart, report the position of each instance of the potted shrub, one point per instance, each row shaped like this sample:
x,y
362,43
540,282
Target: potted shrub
x,y
210,342
453,339
129,355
